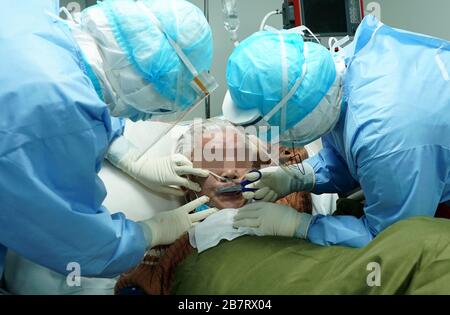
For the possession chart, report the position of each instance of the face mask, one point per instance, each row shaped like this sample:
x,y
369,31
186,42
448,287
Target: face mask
x,y
320,122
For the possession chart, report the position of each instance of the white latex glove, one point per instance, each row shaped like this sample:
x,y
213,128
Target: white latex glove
x,y
268,219
276,183
166,227
158,174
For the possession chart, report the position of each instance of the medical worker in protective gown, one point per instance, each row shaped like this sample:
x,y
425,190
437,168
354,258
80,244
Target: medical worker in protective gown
x,y
382,108
61,83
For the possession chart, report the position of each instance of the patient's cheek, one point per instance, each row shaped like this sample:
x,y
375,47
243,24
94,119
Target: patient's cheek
x,y
208,186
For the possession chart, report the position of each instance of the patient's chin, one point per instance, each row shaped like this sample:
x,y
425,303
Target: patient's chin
x,y
232,201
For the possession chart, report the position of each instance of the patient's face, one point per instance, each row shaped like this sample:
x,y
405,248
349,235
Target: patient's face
x,y
232,168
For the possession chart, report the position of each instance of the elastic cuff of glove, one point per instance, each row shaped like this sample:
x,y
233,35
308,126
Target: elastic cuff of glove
x,y
310,177
303,227
306,181
147,234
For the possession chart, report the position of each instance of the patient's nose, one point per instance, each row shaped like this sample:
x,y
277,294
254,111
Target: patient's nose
x,y
230,174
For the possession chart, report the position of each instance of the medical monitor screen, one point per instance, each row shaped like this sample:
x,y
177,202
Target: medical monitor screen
x,y
325,16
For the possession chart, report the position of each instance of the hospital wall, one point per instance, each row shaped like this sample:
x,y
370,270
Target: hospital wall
x,y
429,17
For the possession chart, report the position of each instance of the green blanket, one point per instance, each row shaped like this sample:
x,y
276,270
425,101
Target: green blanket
x,y
413,257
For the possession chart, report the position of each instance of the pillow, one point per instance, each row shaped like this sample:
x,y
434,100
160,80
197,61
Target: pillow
x,y
127,195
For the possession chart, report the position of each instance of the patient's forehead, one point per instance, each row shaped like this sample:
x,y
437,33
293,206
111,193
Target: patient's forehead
x,y
219,149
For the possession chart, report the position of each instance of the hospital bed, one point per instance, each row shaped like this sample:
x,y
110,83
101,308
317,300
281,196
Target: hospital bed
x,y
414,255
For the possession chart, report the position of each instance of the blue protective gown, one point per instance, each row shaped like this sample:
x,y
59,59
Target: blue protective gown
x,y
393,136
54,132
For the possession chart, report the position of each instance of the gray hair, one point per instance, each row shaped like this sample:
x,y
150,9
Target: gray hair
x,y
185,143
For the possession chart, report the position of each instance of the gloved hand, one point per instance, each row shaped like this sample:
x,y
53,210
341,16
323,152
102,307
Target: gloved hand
x,y
166,227
158,174
268,219
276,183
